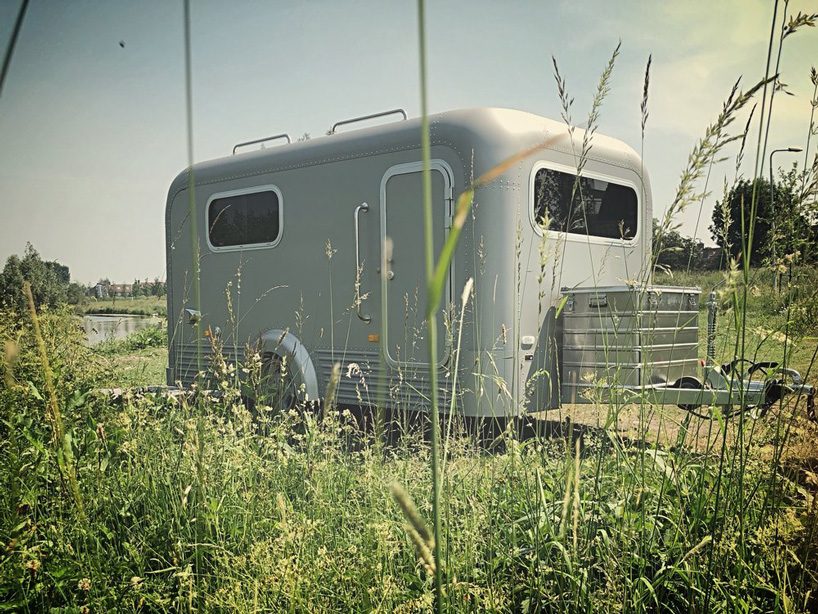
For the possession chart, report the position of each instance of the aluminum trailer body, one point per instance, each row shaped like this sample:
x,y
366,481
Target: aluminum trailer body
x,y
314,251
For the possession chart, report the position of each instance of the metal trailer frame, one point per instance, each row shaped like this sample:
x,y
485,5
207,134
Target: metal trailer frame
x,y
724,386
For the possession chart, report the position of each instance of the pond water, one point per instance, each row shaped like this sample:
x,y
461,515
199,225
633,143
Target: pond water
x,y
100,328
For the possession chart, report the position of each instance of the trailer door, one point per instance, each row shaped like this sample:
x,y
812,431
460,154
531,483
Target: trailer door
x,y
403,261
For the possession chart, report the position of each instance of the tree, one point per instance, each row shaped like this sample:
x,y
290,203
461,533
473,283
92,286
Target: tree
x,y
158,288
102,288
75,293
60,271
676,252
779,220
47,286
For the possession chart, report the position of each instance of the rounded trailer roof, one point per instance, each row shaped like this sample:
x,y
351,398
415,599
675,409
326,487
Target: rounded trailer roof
x,y
494,133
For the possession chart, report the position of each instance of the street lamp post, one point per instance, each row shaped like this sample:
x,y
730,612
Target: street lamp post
x,y
772,208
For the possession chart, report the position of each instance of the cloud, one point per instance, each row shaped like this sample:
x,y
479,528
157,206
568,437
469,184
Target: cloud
x,y
700,49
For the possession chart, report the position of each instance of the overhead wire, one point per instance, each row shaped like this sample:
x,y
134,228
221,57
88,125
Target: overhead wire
x,y
18,24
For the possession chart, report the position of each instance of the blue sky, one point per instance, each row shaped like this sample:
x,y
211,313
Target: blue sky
x,y
91,133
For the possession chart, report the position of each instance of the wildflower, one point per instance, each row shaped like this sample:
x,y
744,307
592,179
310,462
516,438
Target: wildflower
x,y
84,584
790,258
33,566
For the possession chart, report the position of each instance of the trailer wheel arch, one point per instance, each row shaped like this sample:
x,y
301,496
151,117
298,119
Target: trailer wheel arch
x,y
283,343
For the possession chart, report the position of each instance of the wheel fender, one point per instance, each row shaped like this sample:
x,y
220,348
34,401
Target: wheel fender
x,y
284,343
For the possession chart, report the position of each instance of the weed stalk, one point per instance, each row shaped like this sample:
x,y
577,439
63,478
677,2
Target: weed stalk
x,y
62,441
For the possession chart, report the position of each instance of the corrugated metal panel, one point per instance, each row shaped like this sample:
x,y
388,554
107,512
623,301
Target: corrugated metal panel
x,y
370,383
183,359
627,337
377,384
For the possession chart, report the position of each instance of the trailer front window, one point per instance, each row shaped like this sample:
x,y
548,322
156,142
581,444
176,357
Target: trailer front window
x,y
587,207
244,219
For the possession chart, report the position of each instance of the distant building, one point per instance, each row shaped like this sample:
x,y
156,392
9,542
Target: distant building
x,y
113,290
120,290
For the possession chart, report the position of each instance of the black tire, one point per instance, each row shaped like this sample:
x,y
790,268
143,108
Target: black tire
x,y
688,382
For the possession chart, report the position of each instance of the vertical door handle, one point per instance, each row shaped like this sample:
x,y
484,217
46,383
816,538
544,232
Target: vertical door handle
x,y
358,271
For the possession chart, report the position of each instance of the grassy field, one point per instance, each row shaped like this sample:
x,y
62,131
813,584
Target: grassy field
x,y
769,317
138,360
145,306
154,504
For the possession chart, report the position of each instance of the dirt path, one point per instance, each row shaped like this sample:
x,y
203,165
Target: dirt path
x,y
668,426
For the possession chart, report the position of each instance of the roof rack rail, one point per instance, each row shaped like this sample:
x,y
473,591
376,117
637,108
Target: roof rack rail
x,y
366,117
264,140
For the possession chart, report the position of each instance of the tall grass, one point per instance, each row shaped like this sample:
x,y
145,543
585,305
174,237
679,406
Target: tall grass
x,y
432,306
143,306
193,217
299,515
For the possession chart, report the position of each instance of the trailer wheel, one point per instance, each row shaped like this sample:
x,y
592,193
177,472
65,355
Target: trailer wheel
x,y
279,386
688,382
288,376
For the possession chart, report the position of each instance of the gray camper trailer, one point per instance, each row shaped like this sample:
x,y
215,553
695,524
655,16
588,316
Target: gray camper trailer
x,y
312,252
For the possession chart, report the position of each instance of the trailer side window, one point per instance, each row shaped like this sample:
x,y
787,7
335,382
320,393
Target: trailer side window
x,y
598,208
244,219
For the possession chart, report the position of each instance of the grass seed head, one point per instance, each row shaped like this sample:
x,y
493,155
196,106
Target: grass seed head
x,y
409,510
644,105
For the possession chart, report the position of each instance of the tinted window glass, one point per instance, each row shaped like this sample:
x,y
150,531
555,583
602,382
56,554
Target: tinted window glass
x,y
598,208
245,219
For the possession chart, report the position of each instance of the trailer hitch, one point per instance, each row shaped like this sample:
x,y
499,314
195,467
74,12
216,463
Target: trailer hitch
x,y
763,366
727,380
734,390
758,395
776,388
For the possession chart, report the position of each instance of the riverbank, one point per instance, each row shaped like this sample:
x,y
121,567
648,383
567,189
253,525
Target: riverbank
x,y
142,306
